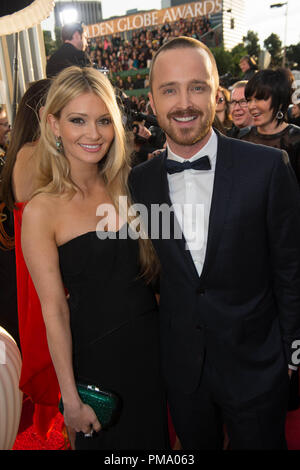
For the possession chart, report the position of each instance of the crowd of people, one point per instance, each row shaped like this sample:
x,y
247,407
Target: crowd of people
x,y
118,54
203,325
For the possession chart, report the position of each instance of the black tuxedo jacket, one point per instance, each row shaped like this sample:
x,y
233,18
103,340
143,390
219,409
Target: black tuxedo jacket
x,y
243,312
66,56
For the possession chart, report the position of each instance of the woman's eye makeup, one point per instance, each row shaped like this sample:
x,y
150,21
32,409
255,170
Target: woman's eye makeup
x,y
104,121
77,120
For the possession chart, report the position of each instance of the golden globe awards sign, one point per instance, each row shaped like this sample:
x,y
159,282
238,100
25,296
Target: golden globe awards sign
x,y
154,18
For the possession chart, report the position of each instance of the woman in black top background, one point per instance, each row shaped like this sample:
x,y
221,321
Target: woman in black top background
x,y
269,96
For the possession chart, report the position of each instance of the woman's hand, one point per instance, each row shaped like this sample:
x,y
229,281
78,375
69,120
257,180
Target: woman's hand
x,y
81,418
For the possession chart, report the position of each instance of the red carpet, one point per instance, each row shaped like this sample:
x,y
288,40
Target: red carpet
x,y
28,439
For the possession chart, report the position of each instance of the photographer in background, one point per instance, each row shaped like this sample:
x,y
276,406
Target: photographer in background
x,y
148,137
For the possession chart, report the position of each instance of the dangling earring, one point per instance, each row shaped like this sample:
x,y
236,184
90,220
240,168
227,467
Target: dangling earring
x,y
59,144
279,115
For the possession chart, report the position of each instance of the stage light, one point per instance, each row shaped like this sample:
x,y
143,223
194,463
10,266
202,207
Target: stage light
x,y
69,15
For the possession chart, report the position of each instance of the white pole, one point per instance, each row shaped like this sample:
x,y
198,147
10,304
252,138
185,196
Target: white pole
x,y
285,34
28,56
38,54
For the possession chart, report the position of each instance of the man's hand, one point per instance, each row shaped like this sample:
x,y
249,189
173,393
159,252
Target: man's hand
x,y
143,132
153,154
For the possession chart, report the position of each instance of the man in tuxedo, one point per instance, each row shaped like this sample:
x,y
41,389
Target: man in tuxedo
x,y
230,285
72,51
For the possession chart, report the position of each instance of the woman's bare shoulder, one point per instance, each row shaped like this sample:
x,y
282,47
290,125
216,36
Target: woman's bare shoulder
x,y
26,152
41,207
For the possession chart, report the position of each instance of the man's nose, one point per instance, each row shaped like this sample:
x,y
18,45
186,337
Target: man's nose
x,y
237,108
184,99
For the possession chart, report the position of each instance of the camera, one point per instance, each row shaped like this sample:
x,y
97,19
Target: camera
x,y
227,80
131,119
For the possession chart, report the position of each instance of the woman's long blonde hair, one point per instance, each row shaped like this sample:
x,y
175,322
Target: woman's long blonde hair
x,y
54,170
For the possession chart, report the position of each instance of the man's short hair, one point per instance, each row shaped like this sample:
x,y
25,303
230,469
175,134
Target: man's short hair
x,y
184,42
68,31
239,84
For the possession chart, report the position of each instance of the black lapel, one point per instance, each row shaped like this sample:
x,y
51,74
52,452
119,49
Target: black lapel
x,y
164,184
220,200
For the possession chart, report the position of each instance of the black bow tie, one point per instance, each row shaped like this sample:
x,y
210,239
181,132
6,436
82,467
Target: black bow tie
x,y
202,163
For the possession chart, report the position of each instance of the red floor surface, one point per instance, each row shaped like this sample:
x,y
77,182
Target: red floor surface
x,y
28,439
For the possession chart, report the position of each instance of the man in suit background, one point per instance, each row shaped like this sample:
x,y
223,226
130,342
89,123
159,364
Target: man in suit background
x,y
72,52
230,286
241,117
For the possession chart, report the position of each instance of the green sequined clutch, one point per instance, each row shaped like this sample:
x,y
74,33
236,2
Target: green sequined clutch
x,y
105,404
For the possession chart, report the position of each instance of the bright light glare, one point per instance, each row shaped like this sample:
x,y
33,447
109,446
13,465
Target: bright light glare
x,y
69,15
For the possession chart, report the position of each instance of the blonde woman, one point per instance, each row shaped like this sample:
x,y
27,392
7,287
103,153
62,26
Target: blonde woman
x,y
105,333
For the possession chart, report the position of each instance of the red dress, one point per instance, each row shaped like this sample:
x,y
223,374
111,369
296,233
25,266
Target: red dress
x,y
38,378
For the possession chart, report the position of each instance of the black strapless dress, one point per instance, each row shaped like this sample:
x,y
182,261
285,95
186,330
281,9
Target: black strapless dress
x,y
114,324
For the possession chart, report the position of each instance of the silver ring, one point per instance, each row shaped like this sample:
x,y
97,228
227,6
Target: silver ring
x,y
89,434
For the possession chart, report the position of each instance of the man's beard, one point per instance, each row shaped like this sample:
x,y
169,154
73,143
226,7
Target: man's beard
x,y
187,136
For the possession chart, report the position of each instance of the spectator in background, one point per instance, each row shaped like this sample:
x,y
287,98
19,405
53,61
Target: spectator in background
x,y
116,40
119,82
134,103
146,82
139,82
4,131
248,67
142,60
135,61
129,85
72,52
222,109
142,104
18,178
241,117
294,109
294,114
269,95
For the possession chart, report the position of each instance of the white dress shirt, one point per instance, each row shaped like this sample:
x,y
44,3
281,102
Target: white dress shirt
x,y
191,194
